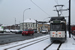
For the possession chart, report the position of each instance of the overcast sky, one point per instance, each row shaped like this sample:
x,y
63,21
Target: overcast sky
x,y
11,9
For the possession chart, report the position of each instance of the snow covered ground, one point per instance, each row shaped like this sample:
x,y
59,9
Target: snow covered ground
x,y
24,45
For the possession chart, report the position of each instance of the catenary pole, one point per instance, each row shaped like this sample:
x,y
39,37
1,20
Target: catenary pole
x,y
69,19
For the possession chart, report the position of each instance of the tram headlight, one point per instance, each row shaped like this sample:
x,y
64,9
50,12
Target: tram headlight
x,y
53,33
72,32
59,33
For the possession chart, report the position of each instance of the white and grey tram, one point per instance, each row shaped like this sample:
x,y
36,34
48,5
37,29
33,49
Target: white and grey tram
x,y
58,29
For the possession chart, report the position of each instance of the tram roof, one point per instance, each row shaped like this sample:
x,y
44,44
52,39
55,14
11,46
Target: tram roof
x,y
57,18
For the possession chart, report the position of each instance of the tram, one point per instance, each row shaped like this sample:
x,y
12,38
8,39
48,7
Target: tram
x,y
58,29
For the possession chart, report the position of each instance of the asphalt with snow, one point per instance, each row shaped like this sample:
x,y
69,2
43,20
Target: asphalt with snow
x,y
12,37
39,43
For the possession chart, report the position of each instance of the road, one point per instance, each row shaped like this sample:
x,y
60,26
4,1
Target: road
x,y
40,43
8,38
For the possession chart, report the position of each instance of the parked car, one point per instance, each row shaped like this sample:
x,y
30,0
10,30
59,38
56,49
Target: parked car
x,y
1,29
28,32
7,30
35,30
14,31
19,32
44,31
73,32
11,30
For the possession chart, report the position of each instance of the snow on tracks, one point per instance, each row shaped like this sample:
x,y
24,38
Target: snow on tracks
x,y
53,46
25,43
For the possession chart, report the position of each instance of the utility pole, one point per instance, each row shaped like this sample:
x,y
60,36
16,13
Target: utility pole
x,y
15,23
69,19
36,24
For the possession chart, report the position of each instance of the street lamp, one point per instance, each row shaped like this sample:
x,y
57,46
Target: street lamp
x,y
23,16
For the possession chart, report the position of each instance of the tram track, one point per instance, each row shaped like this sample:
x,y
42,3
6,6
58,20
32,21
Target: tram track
x,y
23,45
51,45
48,46
32,44
59,46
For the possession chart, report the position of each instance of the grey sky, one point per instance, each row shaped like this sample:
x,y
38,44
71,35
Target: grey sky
x,y
11,9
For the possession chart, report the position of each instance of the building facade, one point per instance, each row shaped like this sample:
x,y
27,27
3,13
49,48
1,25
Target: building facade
x,y
17,26
28,23
41,26
33,24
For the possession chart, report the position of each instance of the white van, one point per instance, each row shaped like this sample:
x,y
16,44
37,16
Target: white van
x,y
1,29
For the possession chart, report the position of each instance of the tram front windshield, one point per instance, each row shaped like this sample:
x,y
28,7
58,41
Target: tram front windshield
x,y
57,27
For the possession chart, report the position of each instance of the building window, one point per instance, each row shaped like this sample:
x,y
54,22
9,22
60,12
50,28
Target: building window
x,y
31,25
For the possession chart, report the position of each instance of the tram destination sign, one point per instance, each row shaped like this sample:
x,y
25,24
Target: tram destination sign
x,y
56,21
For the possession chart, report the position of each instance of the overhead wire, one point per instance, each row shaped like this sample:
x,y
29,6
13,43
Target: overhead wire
x,y
59,7
56,2
40,8
65,4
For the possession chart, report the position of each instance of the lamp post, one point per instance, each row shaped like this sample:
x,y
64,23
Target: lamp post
x,y
23,16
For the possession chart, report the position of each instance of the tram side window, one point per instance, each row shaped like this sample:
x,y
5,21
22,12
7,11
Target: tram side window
x,y
63,27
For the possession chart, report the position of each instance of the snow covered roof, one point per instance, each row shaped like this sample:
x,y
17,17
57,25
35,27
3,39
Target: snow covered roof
x,y
30,21
47,23
3,25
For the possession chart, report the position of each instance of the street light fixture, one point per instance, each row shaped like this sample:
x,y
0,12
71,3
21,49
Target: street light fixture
x,y
23,16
